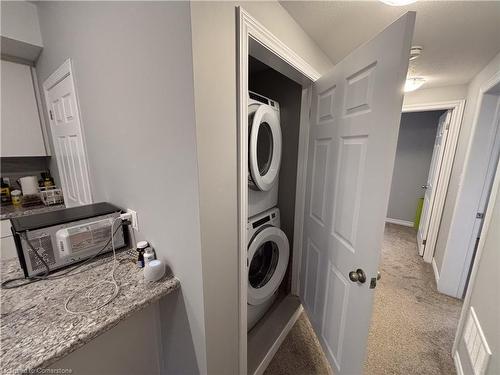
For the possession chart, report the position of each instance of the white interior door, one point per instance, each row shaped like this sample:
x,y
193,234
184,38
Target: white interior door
x,y
432,179
355,115
67,136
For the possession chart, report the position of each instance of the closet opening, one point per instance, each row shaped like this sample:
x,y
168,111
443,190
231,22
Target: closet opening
x,y
275,101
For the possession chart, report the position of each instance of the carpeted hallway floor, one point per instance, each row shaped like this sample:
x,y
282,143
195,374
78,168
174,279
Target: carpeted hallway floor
x,y
413,326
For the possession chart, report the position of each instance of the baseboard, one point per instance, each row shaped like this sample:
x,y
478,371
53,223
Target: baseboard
x,y
458,364
270,354
405,223
435,269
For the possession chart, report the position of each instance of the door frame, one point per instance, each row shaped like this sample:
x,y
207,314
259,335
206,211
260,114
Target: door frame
x,y
457,107
63,71
455,274
468,295
248,27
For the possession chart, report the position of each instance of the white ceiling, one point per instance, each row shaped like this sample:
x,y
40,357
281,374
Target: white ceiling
x,y
459,37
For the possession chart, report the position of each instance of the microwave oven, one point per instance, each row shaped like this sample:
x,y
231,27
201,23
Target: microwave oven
x,y
64,237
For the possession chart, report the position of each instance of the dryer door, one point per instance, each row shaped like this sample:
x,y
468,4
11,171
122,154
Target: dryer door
x,y
268,255
264,149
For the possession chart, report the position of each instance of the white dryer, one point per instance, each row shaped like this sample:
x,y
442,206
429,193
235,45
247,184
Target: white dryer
x,y
267,260
264,153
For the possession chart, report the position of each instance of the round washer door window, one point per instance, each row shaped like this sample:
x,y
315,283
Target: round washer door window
x,y
268,255
264,149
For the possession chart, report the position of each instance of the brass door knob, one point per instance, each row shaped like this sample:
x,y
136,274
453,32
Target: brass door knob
x,y
357,276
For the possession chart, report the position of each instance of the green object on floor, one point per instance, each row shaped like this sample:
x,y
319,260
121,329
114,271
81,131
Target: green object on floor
x,y
420,205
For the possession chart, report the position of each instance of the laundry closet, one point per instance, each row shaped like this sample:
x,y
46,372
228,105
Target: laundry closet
x,y
274,105
315,160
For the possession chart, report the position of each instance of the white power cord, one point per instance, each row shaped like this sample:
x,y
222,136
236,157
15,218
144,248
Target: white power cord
x,y
94,287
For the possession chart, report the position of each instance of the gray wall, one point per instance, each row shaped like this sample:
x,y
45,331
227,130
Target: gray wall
x,y
134,79
417,133
214,60
485,294
457,205
20,22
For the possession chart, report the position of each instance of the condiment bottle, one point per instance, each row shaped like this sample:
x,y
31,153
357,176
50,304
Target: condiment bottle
x,y
141,246
5,192
16,198
149,255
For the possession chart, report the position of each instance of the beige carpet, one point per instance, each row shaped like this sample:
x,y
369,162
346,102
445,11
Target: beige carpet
x,y
300,353
413,326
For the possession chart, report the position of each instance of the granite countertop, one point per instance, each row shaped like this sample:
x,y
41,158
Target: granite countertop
x,y
9,211
37,330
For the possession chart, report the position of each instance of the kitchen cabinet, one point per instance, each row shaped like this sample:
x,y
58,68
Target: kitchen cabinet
x,y
7,245
21,127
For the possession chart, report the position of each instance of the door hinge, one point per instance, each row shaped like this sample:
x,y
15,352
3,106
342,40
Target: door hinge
x,y
424,242
480,215
50,114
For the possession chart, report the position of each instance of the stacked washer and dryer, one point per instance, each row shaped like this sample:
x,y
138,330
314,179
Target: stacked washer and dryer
x,y
268,247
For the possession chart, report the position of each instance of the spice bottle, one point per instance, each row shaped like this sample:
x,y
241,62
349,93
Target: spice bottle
x,y
141,246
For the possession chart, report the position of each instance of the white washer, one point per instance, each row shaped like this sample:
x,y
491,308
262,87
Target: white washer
x,y
268,253
264,153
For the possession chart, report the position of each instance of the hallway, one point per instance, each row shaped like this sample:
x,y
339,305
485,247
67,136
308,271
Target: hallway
x,y
413,326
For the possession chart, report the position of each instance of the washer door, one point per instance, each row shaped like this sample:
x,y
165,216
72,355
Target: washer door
x,y
264,149
268,255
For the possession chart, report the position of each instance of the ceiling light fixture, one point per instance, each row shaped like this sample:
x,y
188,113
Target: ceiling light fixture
x,y
413,83
398,3
415,52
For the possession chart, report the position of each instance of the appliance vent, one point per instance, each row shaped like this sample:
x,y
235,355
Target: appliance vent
x,y
43,246
475,342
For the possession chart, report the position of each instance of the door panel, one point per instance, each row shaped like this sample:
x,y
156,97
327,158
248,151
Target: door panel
x,y
337,294
320,167
432,179
355,115
68,141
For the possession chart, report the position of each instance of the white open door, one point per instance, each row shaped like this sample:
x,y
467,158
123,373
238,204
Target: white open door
x,y
355,115
432,179
67,136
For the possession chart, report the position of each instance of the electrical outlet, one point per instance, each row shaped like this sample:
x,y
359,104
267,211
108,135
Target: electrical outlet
x,y
135,223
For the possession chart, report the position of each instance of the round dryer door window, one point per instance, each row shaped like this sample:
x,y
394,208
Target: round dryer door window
x,y
264,153
268,255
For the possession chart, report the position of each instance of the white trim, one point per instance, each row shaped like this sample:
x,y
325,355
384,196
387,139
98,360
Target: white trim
x,y
248,27
405,223
39,105
472,239
457,107
276,345
435,269
479,253
454,290
258,32
484,194
458,364
65,70
300,190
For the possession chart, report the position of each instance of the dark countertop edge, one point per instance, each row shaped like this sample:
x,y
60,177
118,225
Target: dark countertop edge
x,y
25,211
68,349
